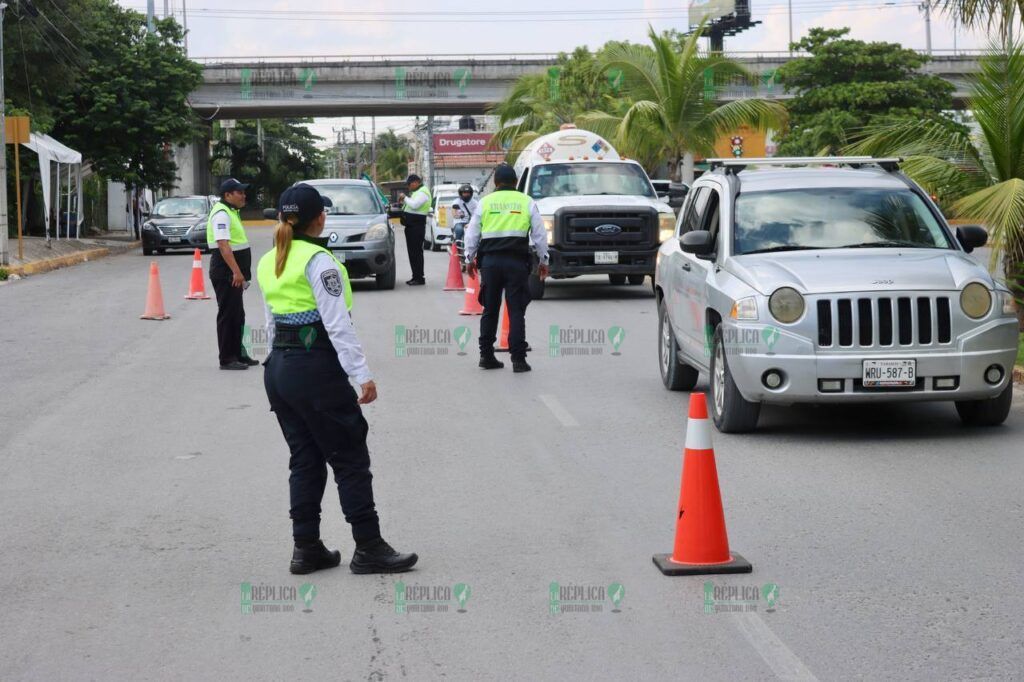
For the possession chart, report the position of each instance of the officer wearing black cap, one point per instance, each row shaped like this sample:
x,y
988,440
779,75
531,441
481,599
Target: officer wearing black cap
x,y
415,207
501,231
230,272
314,354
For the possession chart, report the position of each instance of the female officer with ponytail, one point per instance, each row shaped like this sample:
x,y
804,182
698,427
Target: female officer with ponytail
x,y
314,352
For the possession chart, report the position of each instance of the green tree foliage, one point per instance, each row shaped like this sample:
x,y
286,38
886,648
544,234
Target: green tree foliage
x,y
288,155
984,173
845,85
393,154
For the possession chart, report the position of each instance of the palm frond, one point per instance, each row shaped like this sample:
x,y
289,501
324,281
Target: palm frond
x,y
999,207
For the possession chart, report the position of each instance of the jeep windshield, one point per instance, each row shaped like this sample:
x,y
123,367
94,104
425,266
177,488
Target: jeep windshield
x,y
600,178
793,220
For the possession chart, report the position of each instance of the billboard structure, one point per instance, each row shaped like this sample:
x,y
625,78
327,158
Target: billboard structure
x,y
724,18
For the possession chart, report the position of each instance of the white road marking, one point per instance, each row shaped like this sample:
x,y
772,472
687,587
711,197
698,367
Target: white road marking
x,y
557,409
783,662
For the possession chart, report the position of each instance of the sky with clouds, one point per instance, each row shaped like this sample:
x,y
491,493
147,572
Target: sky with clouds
x,y
223,28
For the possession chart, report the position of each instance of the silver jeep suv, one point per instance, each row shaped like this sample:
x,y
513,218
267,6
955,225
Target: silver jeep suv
x,y
829,279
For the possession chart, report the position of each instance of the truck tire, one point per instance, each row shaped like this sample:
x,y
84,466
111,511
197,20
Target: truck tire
x,y
676,375
731,412
386,279
636,280
536,286
617,280
988,412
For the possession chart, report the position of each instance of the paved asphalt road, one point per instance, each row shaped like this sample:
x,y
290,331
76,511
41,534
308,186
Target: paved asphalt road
x,y
140,487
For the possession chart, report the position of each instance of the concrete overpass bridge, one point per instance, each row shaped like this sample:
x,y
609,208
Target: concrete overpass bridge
x,y
381,85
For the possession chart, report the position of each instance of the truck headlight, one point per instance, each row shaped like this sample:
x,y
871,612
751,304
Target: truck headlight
x,y
1009,305
666,226
786,305
549,227
744,309
975,300
378,231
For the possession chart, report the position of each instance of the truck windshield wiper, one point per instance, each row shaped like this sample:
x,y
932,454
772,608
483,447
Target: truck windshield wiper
x,y
886,245
775,249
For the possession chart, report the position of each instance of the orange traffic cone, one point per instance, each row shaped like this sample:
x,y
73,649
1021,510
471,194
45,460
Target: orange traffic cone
x,y
503,336
471,305
195,288
454,282
702,545
155,296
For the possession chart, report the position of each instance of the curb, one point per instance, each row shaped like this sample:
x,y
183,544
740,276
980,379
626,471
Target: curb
x,y
37,267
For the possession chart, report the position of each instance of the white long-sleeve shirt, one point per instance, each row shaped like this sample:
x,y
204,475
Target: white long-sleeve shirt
x,y
538,235
335,318
416,199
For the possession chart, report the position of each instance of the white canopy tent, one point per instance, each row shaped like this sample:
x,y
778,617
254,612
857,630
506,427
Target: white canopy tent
x,y
51,152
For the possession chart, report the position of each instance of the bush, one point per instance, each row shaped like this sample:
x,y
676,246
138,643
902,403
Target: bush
x,y
4,274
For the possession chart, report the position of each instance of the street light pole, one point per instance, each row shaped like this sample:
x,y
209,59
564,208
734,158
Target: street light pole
x,y
5,254
790,28
150,11
927,7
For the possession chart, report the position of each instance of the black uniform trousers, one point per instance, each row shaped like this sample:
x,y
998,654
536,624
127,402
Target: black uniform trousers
x,y
322,423
506,272
415,231
230,311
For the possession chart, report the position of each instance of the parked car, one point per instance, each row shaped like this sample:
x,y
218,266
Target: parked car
x,y
829,285
358,231
439,231
177,223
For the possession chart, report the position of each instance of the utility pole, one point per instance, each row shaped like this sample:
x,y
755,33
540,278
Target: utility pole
x,y
167,8
373,147
926,5
150,11
428,153
184,24
5,254
790,28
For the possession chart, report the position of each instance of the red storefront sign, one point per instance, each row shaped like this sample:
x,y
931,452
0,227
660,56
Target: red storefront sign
x,y
460,143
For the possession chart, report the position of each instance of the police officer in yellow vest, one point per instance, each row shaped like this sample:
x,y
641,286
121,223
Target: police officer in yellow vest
x,y
416,207
230,272
314,353
501,232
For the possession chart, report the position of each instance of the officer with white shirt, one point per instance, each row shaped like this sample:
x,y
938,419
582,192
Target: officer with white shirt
x,y
314,353
230,272
415,209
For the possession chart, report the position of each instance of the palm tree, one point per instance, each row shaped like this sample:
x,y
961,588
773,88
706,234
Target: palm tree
x,y
530,110
668,108
983,173
999,14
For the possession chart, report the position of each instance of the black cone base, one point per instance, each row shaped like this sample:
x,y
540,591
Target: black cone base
x,y
668,567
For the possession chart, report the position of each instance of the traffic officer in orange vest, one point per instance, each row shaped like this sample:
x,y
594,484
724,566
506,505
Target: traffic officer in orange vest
x,y
499,236
314,353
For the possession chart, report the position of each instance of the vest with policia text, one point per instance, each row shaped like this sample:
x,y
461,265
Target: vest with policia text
x,y
291,292
238,239
425,209
505,222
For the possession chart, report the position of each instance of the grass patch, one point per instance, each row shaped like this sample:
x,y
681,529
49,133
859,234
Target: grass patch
x,y
4,274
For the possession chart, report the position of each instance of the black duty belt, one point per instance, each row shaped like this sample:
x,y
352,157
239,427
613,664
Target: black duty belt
x,y
308,336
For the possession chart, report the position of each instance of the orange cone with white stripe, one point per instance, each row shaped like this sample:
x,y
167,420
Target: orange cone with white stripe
x,y
471,305
454,282
702,544
503,336
196,290
154,296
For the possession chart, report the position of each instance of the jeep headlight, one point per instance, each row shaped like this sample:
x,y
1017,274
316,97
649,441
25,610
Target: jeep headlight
x,y
666,226
744,309
786,305
975,300
549,227
378,231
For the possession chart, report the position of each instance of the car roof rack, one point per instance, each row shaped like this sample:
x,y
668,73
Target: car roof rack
x,y
735,165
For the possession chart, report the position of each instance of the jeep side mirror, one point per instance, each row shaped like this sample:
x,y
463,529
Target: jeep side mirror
x,y
971,237
270,213
697,242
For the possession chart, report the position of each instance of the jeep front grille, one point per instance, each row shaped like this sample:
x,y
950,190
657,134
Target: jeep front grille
x,y
884,321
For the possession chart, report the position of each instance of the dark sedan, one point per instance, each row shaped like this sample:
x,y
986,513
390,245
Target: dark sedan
x,y
177,223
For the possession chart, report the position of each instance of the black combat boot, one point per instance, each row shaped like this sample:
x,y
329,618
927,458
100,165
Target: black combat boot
x,y
311,555
490,362
520,366
377,556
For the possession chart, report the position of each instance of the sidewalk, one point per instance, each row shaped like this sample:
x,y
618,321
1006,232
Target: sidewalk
x,y
42,256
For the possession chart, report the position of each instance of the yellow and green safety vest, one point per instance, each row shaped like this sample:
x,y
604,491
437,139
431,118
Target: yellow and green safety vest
x,y
426,208
291,292
238,238
503,214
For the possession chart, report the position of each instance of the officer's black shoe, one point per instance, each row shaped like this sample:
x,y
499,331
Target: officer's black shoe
x,y
416,282
307,558
519,366
234,364
379,557
490,362
249,361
